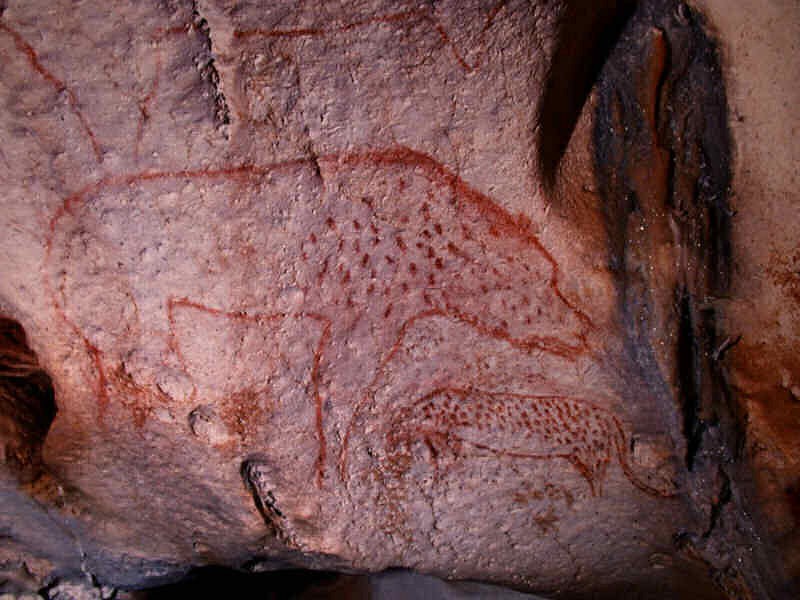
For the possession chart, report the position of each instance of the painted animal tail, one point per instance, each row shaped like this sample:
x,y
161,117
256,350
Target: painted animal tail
x,y
622,451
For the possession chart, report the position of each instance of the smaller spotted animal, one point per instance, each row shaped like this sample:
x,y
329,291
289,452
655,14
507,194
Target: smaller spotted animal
x,y
459,421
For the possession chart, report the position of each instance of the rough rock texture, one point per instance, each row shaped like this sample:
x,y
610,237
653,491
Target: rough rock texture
x,y
760,52
473,288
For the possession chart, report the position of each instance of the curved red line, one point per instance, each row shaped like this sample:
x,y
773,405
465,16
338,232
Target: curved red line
x,y
423,14
33,58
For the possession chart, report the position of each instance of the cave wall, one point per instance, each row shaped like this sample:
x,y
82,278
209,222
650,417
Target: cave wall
x,y
360,286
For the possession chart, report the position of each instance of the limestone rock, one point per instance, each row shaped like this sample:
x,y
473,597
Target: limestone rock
x,y
471,288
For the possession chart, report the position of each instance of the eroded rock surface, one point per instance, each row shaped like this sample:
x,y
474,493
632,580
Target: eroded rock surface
x,y
321,284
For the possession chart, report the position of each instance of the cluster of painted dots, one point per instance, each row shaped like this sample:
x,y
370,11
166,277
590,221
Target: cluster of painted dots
x,y
429,257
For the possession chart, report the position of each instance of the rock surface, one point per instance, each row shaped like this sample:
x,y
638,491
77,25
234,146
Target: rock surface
x,y
360,285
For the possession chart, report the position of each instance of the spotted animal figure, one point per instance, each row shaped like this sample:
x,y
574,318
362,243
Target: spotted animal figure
x,y
359,245
463,422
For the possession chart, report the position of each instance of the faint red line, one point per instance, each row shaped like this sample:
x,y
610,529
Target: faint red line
x,y
422,14
317,31
144,103
25,48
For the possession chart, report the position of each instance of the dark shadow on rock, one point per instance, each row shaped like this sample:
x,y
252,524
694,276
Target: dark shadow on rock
x,y
588,32
27,403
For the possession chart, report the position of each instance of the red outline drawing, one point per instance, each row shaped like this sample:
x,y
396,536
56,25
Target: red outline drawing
x,y
453,420
144,104
260,318
484,212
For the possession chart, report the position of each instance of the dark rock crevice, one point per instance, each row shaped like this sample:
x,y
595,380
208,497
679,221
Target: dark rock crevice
x,y
689,378
208,69
663,165
27,403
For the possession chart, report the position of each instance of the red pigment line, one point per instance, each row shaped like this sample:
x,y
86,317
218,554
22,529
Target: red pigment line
x,y
622,447
174,30
493,13
102,391
144,104
172,341
425,314
467,391
502,452
33,58
324,340
519,227
318,31
172,303
93,351
549,344
260,318
448,42
80,196
618,442
370,388
238,315
173,344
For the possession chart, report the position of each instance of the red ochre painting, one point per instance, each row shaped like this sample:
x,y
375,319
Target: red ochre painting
x,y
355,248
